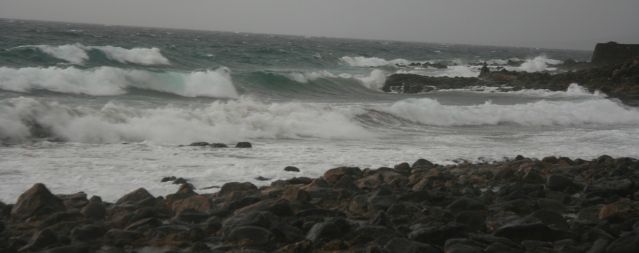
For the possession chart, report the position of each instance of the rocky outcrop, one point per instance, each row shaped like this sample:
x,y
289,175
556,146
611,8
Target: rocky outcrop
x,y
614,53
517,205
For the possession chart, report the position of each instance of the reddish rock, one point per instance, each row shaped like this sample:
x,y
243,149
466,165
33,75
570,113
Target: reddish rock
x,y
37,201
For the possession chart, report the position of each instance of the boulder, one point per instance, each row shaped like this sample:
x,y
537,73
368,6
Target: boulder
x,y
243,144
199,203
40,240
621,210
94,209
37,201
422,164
135,197
245,188
462,246
218,145
628,243
199,144
327,230
333,175
249,236
559,183
291,169
88,232
533,231
403,245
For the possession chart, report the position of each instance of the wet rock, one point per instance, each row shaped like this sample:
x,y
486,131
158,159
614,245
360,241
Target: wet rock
x,y
218,145
135,197
243,144
88,232
403,168
436,234
249,236
327,230
422,164
261,178
620,210
559,183
606,187
74,201
40,240
462,246
180,181
94,209
333,175
234,187
119,237
291,169
403,245
466,204
168,179
74,248
199,203
298,247
190,216
199,144
36,201
534,231
625,244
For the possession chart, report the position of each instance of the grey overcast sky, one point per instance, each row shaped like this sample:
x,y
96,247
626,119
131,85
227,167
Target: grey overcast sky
x,y
576,24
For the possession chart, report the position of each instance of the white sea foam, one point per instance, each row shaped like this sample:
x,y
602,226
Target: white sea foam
x,y
78,53
573,90
104,81
374,80
232,120
537,64
542,113
361,61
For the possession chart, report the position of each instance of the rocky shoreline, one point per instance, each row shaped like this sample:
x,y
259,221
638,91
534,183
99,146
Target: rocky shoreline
x,y
618,81
516,205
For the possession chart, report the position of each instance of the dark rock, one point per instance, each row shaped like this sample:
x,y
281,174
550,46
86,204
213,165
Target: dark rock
x,y
199,144
180,181
134,197
74,201
422,164
94,209
403,245
403,168
74,248
625,244
168,179
325,231
622,210
219,145
190,216
200,203
36,201
466,204
534,231
88,232
41,240
249,236
120,237
229,188
244,144
437,235
261,178
559,183
291,169
473,220
498,247
462,246
606,187
333,175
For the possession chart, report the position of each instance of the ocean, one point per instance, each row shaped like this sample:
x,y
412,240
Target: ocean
x,y
109,109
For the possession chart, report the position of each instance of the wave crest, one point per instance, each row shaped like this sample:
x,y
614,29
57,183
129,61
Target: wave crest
x,y
226,121
78,53
108,81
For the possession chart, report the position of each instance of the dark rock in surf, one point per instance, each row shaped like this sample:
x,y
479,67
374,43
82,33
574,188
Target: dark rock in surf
x,y
199,144
218,145
243,144
37,201
291,169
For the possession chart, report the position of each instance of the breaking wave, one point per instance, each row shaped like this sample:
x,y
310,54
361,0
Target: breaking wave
x,y
360,61
108,81
78,54
573,90
542,113
374,80
23,118
537,64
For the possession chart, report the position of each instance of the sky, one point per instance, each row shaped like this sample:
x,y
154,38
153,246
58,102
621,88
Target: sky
x,y
567,24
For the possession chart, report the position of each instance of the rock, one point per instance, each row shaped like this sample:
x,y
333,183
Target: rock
x,y
190,216
533,177
168,179
462,246
436,234
41,240
119,237
628,243
325,231
229,188
291,169
249,236
37,201
243,144
135,197
88,232
422,164
607,187
261,178
498,247
295,194
94,209
621,210
219,145
74,248
199,203
534,231
180,181
74,201
559,183
403,168
298,247
199,144
466,204
403,245
473,220
333,175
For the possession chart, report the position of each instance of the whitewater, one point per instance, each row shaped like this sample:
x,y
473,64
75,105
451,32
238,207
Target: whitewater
x,y
111,109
